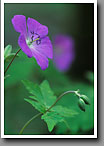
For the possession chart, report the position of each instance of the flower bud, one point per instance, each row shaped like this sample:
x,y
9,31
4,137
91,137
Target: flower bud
x,y
85,98
81,104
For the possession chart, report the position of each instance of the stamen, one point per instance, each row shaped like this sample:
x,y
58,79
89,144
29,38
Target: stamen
x,y
32,32
32,38
38,41
34,35
35,40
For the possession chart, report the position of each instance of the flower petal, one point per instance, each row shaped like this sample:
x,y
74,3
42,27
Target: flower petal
x,y
45,47
24,46
36,27
41,59
64,52
19,23
63,62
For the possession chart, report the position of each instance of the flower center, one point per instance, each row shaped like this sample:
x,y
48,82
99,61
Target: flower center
x,y
34,38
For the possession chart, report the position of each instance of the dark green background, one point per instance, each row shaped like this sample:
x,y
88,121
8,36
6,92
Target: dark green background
x,y
75,20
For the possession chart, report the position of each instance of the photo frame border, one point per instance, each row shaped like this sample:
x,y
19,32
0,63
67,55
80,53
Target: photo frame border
x,y
3,2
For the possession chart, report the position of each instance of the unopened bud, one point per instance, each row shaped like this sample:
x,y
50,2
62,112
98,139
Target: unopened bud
x,y
81,104
85,98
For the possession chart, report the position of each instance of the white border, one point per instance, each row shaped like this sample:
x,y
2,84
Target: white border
x,y
95,69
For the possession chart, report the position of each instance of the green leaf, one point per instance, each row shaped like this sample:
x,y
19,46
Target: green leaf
x,y
47,93
42,98
56,115
7,51
34,98
52,118
10,56
37,105
34,89
64,111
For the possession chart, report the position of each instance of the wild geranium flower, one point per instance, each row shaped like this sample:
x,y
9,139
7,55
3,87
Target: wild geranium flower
x,y
34,42
63,52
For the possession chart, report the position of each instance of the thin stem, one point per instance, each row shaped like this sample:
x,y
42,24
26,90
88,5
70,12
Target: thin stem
x,y
60,98
11,61
28,122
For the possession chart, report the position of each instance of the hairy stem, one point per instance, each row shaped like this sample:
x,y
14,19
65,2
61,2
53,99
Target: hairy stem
x,y
28,122
11,61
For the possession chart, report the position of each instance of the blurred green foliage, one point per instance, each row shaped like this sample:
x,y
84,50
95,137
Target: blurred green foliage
x,y
17,111
72,19
8,55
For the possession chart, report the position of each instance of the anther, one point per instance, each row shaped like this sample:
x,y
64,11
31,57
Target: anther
x,y
32,32
32,38
38,41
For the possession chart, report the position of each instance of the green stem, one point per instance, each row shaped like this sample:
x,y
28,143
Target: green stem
x,y
60,98
11,61
28,122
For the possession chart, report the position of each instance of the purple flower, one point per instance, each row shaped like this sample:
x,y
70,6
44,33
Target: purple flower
x,y
34,42
63,52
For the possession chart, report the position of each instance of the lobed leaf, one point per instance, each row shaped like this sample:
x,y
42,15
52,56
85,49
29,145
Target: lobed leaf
x,y
42,98
36,105
64,111
34,89
47,93
52,118
57,114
